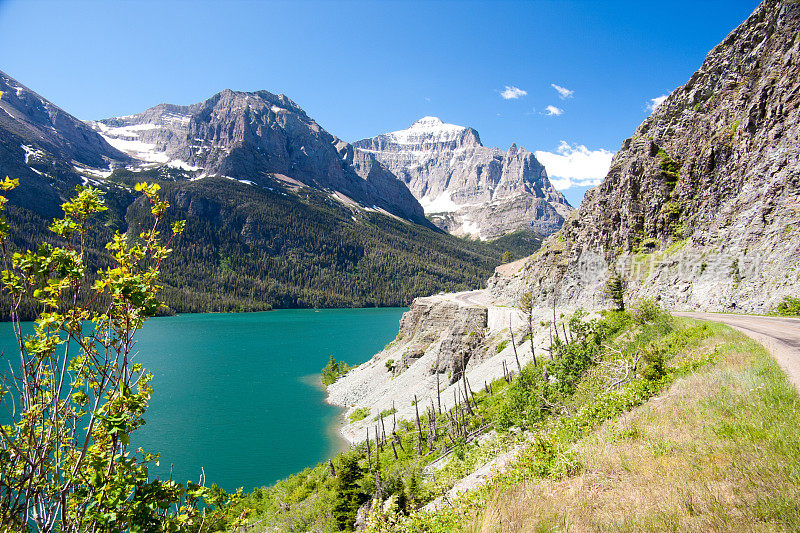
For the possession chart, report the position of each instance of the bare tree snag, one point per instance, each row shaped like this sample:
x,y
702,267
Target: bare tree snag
x,y
369,452
419,427
514,344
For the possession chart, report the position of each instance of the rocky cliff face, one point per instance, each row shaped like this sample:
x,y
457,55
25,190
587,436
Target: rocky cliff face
x,y
467,188
255,137
442,339
701,207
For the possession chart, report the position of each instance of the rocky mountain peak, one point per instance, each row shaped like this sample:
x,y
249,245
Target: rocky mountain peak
x,y
41,124
428,122
429,133
47,149
259,137
467,188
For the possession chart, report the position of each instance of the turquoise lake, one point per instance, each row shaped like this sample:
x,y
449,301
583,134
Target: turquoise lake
x,y
238,394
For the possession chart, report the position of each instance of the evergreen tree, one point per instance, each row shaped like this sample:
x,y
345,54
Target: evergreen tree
x,y
348,497
615,290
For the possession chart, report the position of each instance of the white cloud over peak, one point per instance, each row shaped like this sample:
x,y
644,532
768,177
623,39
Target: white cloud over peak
x,y
552,110
655,102
575,165
512,93
563,92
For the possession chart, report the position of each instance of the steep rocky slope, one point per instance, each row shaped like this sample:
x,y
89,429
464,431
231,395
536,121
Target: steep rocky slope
x,y
467,188
442,339
701,207
259,137
46,148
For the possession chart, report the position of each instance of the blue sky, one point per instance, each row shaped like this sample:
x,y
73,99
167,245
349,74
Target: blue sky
x,y
365,67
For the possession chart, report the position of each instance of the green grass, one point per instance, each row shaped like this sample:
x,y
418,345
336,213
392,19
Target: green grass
x,y
717,451
384,414
788,307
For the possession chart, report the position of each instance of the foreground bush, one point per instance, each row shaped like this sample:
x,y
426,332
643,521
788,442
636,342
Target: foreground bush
x,y
75,394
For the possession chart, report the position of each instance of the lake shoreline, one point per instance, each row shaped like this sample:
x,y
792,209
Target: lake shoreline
x,y
334,428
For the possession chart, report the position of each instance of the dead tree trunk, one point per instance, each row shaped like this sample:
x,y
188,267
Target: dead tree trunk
x,y
555,322
419,427
471,392
438,391
514,344
369,453
466,392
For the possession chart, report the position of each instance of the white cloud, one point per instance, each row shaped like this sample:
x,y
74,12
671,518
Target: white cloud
x,y
655,102
512,93
575,165
563,92
552,110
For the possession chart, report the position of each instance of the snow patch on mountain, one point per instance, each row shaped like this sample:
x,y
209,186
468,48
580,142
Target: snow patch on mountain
x,y
427,129
138,149
440,204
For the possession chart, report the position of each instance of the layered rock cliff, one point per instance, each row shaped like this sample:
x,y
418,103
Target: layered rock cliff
x,y
467,188
256,137
446,343
701,206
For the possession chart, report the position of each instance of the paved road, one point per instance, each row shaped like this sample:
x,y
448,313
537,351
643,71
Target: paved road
x,y
480,297
781,336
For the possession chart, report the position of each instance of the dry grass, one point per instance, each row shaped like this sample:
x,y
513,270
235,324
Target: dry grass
x,y
718,451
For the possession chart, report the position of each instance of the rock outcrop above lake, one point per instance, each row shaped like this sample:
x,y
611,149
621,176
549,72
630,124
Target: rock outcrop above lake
x,y
701,206
443,339
467,188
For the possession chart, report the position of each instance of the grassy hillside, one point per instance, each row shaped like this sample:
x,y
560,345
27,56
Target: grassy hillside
x,y
651,423
716,451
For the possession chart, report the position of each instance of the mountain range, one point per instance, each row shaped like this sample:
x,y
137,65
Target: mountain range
x,y
261,138
280,213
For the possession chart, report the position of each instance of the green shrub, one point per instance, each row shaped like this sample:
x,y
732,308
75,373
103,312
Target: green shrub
x,y
646,311
359,414
670,168
348,497
788,307
614,290
502,346
385,413
653,359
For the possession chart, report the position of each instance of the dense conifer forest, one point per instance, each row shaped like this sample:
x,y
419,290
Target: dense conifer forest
x,y
250,247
